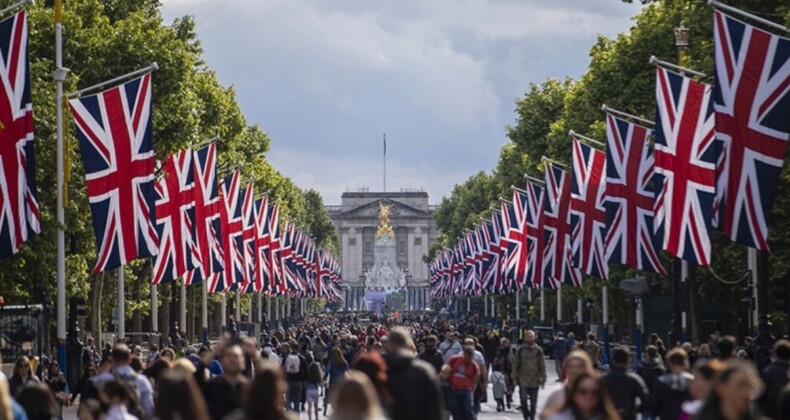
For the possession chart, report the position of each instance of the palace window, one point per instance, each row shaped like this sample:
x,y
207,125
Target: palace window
x,y
368,247
402,247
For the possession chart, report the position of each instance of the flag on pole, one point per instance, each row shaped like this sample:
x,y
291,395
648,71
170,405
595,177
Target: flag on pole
x,y
208,232
752,107
588,214
516,261
536,238
685,155
262,243
556,222
231,225
19,211
273,259
248,235
630,197
175,219
116,141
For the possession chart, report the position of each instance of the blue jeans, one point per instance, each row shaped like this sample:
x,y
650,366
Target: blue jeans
x,y
294,395
462,406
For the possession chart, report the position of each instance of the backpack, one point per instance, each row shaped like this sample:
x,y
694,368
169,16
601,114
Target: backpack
x,y
292,364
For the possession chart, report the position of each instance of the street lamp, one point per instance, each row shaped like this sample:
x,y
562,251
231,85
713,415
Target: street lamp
x,y
681,42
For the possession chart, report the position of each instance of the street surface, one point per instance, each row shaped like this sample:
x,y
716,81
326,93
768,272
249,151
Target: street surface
x,y
488,409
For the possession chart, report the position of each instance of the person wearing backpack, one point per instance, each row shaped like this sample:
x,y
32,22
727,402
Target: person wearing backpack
x,y
120,371
529,372
295,368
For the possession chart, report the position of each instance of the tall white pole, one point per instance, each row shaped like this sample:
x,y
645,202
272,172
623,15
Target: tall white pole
x,y
468,304
684,272
579,311
237,313
542,305
529,295
268,308
204,312
223,313
485,300
154,309
277,309
289,308
121,305
182,308
518,305
260,308
559,303
59,75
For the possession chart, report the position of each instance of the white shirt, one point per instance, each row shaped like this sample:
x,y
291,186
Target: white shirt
x,y
118,412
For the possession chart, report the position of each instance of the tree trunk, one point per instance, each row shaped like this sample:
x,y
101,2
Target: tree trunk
x,y
96,292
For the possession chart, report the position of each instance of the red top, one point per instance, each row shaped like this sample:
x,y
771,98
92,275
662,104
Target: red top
x,y
462,373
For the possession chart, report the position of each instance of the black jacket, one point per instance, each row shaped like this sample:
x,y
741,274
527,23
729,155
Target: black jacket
x,y
649,371
669,394
624,388
414,389
775,378
222,396
433,357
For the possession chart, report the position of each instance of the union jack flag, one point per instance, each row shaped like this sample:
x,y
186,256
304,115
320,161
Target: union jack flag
x,y
273,258
114,132
685,156
516,260
231,225
588,214
19,212
291,281
494,274
556,223
629,196
752,107
208,231
262,242
175,214
536,238
248,235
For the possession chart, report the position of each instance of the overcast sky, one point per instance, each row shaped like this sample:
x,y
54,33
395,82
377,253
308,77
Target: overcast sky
x,y
326,78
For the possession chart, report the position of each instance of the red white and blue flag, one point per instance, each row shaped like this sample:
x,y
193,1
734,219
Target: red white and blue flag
x,y
248,235
630,197
685,163
536,238
19,212
175,219
208,229
231,224
752,107
588,214
556,223
515,273
116,141
262,242
273,258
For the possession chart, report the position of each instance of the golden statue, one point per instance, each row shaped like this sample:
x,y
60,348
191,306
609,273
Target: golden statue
x,y
384,222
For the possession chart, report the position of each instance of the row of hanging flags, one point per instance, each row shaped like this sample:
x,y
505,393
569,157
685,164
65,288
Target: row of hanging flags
x,y
193,226
717,156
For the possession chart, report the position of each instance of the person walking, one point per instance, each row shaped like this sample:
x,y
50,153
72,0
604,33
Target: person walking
x,y
295,368
121,371
625,388
431,354
775,377
450,346
529,372
222,392
587,399
558,351
336,370
413,384
464,376
592,348
672,389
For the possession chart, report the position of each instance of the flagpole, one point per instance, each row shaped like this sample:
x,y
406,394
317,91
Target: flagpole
x,y
59,75
204,312
129,75
542,305
182,307
385,162
223,313
154,309
605,304
721,6
559,305
613,111
121,304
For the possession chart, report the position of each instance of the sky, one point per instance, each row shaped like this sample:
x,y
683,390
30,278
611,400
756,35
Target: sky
x,y
328,78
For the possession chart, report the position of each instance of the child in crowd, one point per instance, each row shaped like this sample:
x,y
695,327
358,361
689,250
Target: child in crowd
x,y
498,381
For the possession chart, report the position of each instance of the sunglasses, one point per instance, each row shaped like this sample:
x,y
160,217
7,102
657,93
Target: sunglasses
x,y
587,391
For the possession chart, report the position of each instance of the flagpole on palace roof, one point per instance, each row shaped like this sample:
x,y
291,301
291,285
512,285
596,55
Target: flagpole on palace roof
x,y
59,75
385,162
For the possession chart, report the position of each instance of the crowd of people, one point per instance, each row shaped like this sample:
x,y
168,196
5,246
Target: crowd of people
x,y
413,367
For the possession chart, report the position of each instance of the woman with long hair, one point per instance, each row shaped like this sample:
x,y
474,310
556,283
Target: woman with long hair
x,y
336,370
315,376
699,388
38,402
372,365
182,399
732,393
21,375
84,387
264,398
587,399
576,363
355,399
57,384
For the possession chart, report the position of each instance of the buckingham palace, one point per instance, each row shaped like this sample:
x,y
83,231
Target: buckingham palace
x,y
383,238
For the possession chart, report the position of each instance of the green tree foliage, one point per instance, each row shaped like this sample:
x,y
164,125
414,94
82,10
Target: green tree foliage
x,y
619,75
104,39
316,220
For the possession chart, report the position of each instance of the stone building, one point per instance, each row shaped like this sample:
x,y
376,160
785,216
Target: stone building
x,y
357,221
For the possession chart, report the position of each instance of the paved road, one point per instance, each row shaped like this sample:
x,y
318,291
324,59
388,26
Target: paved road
x,y
488,409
